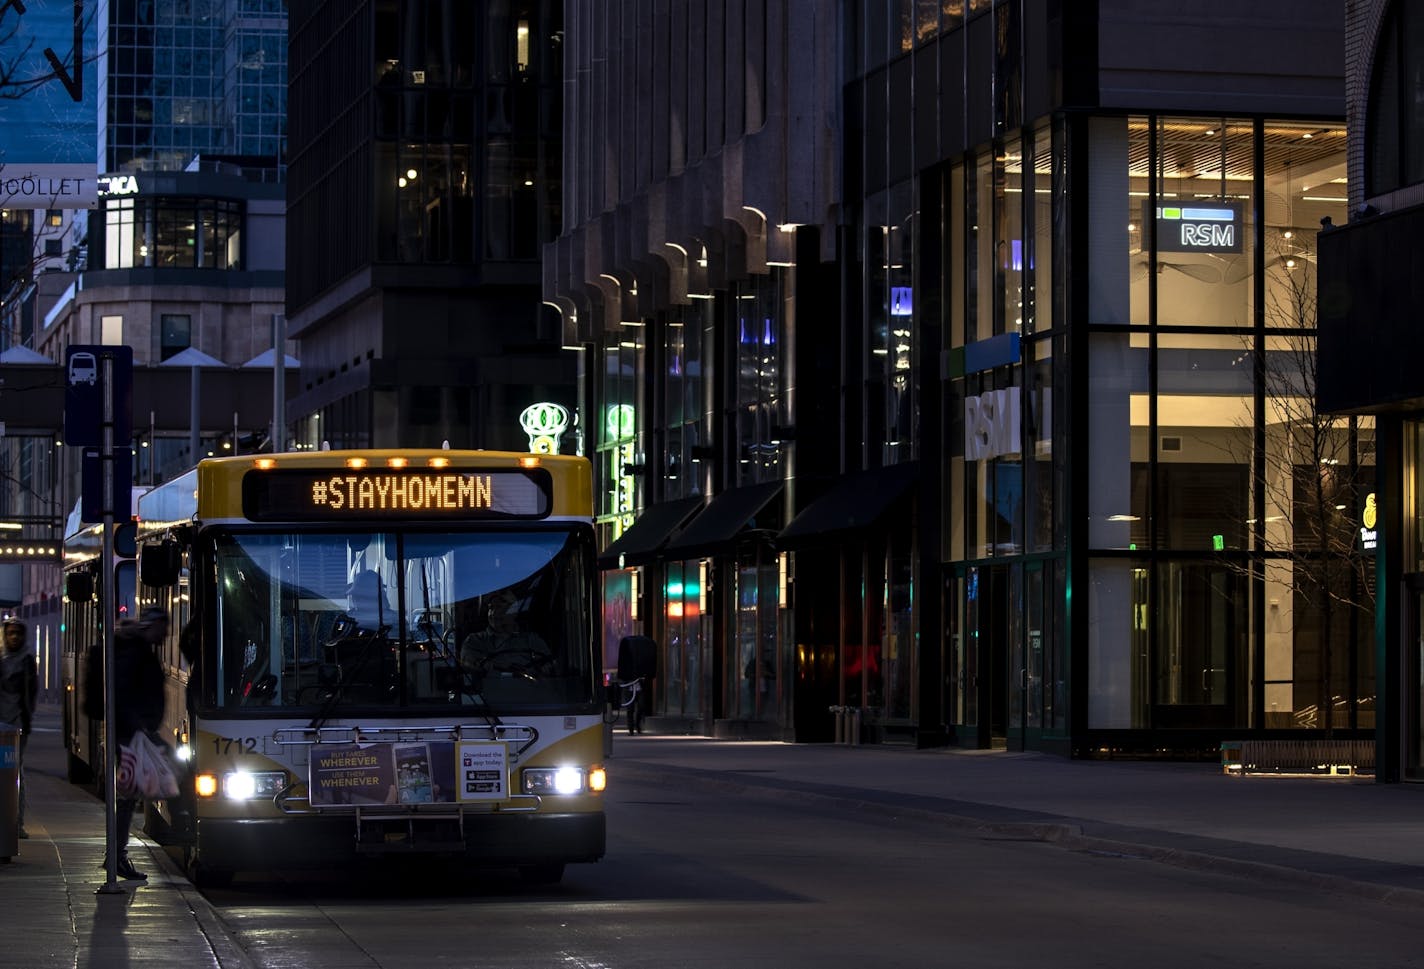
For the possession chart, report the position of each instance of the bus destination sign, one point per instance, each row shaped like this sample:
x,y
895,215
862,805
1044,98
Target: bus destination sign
x,y
326,494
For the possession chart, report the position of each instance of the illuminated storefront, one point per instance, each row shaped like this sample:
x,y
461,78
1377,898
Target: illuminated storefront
x,y
1032,418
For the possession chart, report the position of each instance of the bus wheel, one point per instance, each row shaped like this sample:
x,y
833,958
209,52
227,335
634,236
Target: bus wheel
x,y
549,874
204,877
77,771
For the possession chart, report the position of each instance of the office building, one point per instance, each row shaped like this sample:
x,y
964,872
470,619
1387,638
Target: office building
x,y
944,368
182,261
425,167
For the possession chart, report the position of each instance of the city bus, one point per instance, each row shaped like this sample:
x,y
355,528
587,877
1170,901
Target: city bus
x,y
378,653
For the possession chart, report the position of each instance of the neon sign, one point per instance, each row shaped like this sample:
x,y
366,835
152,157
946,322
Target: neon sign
x,y
545,424
620,424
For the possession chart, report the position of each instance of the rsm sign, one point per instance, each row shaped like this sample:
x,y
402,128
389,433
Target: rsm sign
x,y
1199,227
991,425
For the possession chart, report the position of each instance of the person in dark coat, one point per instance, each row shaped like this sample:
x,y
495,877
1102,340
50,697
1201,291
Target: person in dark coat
x,y
19,687
138,702
638,660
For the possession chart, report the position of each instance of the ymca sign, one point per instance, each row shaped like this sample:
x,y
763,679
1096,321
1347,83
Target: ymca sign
x,y
991,424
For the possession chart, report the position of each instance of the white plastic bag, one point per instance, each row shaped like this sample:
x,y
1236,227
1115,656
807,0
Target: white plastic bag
x,y
125,773
153,777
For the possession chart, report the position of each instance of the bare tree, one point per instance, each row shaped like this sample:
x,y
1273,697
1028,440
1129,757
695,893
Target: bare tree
x,y
18,57
1312,482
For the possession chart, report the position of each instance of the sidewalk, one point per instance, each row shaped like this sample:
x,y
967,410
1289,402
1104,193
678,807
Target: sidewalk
x,y
53,916
1335,834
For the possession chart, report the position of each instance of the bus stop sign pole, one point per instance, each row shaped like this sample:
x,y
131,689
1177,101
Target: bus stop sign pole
x,y
107,612
98,409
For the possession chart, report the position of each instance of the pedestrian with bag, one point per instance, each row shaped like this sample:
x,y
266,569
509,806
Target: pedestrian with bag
x,y
138,702
638,660
19,687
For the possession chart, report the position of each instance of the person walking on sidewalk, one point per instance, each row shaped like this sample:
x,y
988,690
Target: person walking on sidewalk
x,y
138,698
638,660
19,686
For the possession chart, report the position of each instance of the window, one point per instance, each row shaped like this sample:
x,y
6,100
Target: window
x,y
111,330
759,416
172,233
175,334
1213,483
383,620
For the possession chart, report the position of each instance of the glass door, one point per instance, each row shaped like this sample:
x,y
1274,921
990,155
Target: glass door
x,y
1017,669
1202,639
1037,614
961,704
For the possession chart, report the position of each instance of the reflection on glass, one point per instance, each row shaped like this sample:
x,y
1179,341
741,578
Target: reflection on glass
x,y
389,619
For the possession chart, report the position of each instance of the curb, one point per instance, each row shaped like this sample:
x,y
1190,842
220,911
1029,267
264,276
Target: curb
x,y
228,953
1068,835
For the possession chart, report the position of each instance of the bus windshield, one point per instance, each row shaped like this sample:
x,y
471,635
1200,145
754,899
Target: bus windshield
x,y
337,621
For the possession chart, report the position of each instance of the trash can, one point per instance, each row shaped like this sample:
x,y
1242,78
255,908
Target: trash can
x,y
9,791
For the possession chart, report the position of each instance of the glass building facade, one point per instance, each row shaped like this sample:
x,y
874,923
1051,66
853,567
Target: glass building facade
x,y
203,77
1021,448
425,172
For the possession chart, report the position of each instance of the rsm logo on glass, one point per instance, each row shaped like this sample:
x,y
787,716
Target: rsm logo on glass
x,y
991,424
1203,227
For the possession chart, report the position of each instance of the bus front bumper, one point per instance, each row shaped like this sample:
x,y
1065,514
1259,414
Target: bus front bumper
x,y
333,840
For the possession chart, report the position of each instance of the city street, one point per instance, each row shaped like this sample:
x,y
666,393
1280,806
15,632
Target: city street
x,y
702,880
713,872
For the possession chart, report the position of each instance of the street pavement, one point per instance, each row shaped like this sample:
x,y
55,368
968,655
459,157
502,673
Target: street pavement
x,y
1336,835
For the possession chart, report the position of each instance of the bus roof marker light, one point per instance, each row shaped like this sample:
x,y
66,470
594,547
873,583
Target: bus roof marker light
x,y
265,464
398,462
355,462
529,462
439,462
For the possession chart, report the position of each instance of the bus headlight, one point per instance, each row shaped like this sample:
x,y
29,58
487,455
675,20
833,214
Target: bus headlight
x,y
241,785
184,753
555,780
244,785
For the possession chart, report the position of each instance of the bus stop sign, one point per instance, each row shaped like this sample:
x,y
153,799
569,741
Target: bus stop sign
x,y
85,392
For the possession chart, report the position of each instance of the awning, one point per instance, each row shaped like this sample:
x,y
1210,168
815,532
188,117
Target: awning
x,y
192,357
646,535
268,358
722,520
18,354
856,501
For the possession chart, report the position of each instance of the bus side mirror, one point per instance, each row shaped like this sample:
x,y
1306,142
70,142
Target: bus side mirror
x,y
158,564
79,587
